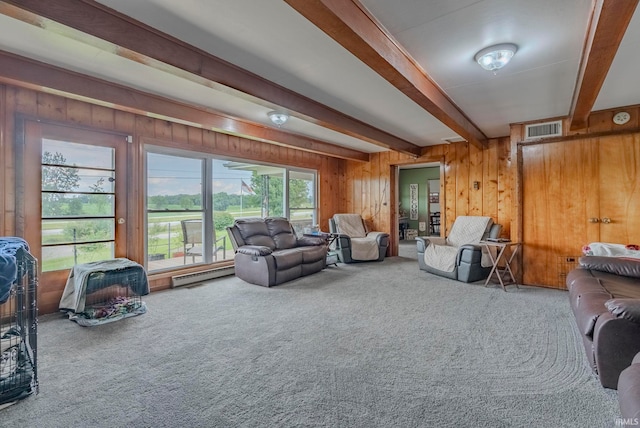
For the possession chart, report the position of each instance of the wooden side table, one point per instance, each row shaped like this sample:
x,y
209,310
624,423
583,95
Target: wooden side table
x,y
502,273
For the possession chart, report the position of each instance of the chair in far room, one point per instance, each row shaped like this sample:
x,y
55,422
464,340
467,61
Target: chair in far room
x,y
353,243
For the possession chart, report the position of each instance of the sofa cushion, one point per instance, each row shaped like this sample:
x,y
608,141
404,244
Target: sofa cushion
x,y
288,258
255,232
614,265
625,308
280,230
312,254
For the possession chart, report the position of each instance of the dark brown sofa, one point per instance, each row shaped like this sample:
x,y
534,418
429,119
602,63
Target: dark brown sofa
x,y
268,252
604,293
629,392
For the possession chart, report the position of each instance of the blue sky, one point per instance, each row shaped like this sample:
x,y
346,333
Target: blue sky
x,y
167,174
174,175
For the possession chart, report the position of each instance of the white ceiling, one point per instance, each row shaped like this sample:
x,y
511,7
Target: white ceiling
x,y
272,40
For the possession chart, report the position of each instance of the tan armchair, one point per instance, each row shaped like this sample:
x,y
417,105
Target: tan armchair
x,y
459,256
354,243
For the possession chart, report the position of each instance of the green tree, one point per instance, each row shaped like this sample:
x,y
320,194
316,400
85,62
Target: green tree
x,y
98,199
222,220
56,176
300,195
221,201
269,190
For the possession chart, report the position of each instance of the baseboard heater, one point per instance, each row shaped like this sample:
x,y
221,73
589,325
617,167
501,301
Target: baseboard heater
x,y
205,275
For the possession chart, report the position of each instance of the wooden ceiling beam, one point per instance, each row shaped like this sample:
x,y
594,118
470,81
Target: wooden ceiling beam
x,y
609,22
349,24
104,23
25,72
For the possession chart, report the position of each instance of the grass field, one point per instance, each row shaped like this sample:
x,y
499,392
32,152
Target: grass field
x,y
164,237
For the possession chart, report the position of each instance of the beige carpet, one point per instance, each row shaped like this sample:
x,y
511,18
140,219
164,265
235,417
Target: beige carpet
x,y
378,344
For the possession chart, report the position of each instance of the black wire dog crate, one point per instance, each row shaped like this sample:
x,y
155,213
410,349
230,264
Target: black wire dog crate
x,y
18,333
105,291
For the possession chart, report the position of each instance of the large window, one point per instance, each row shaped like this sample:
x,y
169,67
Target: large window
x,y
193,198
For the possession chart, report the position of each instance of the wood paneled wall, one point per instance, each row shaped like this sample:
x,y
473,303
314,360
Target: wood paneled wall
x,y
17,101
370,188
344,186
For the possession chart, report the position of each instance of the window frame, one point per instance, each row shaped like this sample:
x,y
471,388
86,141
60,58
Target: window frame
x,y
207,208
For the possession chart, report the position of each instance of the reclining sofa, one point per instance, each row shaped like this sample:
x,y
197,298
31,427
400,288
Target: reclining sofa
x,y
268,252
604,295
629,391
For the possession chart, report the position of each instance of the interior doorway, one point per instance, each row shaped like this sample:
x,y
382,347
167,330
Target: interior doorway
x,y
418,185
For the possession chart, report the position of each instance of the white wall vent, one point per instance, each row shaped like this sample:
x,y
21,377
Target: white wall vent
x,y
205,275
543,130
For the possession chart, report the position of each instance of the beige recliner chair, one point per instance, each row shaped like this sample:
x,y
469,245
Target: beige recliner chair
x,y
459,256
354,243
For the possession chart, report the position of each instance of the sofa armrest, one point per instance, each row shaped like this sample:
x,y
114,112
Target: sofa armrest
x,y
471,247
423,242
615,265
381,238
309,241
625,308
343,241
616,341
255,250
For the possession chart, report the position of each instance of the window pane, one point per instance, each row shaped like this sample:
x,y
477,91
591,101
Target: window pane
x,y
66,256
66,179
70,231
302,220
81,155
72,205
173,182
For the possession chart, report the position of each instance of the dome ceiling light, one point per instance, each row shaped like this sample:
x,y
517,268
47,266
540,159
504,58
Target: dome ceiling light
x,y
493,58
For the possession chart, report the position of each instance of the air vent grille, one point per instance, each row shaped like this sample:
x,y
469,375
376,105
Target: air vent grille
x,y
192,278
543,130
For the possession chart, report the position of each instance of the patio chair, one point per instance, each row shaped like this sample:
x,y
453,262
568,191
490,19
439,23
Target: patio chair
x,y
192,240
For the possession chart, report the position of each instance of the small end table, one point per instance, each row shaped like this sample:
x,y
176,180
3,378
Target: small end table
x,y
501,250
332,256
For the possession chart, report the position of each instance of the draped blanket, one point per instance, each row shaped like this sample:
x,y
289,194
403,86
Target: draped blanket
x,y
465,230
364,246
78,284
9,246
611,250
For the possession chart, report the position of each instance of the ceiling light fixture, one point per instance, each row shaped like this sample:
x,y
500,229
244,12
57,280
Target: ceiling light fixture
x,y
495,57
278,118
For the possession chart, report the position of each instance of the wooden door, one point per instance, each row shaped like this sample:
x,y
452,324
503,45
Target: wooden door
x,y
574,193
74,201
619,159
560,194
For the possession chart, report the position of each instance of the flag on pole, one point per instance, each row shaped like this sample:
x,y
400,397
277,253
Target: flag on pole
x,y
247,188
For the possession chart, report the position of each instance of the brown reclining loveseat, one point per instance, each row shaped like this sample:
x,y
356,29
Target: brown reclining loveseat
x,y
268,252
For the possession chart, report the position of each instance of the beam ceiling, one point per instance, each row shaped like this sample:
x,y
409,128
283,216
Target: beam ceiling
x,y
609,22
32,74
349,24
147,43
